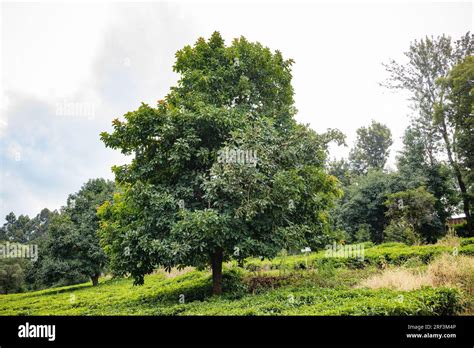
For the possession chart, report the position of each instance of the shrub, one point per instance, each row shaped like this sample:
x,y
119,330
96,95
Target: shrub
x,y
467,241
450,240
309,300
362,234
467,250
413,262
259,283
399,231
461,229
233,285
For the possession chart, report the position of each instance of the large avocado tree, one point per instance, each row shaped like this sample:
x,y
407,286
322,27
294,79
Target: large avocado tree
x,y
220,168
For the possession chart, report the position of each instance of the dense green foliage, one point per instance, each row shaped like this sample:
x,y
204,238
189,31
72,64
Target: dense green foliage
x,y
12,275
444,118
70,250
382,255
363,205
22,229
220,170
412,210
415,170
222,177
455,112
15,273
161,297
371,149
326,287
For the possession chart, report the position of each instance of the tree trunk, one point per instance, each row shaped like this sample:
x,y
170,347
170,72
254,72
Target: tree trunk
x,y
95,280
216,264
457,172
465,201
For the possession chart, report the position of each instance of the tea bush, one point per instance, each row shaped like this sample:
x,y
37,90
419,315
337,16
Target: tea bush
x,y
467,241
310,284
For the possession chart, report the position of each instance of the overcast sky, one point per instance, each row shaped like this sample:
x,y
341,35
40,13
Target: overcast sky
x,y
67,70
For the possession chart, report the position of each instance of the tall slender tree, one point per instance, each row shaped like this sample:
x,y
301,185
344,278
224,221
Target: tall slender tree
x,y
371,149
454,115
430,59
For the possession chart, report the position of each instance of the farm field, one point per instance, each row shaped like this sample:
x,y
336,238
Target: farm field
x,y
392,279
201,173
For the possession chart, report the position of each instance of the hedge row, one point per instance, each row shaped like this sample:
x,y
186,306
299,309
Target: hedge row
x,y
384,254
321,301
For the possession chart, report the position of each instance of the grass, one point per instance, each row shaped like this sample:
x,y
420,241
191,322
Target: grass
x,y
398,279
446,270
292,285
314,300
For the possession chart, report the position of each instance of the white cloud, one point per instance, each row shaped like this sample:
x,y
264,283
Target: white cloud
x,y
113,56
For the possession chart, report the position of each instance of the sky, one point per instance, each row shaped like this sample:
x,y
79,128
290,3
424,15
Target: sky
x,y
67,70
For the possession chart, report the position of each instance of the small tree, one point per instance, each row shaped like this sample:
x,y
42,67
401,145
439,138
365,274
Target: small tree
x,y
454,115
371,149
11,275
363,204
411,209
82,210
401,231
71,252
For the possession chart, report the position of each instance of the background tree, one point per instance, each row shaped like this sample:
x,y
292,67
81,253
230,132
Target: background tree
x,y
454,116
415,170
12,275
183,203
71,252
412,208
15,229
58,264
82,210
341,169
23,229
401,231
16,273
39,225
429,60
371,149
363,205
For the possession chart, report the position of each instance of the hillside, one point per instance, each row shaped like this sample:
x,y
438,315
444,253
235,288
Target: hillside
x,y
392,279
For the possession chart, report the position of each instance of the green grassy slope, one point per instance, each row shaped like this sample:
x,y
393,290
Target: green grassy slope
x,y
293,285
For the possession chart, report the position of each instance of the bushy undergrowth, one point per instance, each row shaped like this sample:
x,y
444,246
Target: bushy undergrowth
x,y
446,270
321,301
293,285
380,256
467,250
467,241
162,297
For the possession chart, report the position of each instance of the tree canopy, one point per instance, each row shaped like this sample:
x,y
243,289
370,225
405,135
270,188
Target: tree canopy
x,y
371,149
426,76
221,169
70,251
